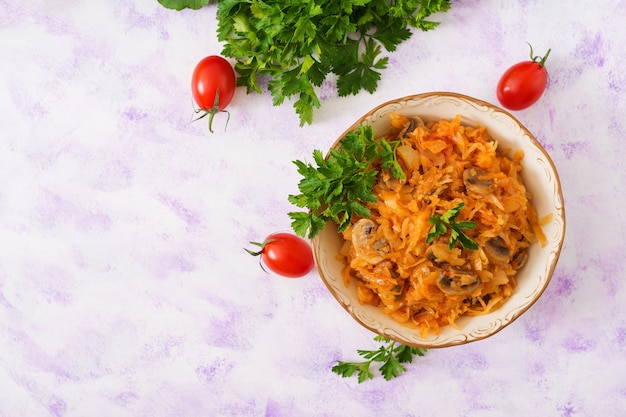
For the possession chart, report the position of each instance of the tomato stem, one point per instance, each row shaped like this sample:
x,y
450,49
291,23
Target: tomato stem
x,y
212,112
211,116
261,245
541,60
214,109
257,253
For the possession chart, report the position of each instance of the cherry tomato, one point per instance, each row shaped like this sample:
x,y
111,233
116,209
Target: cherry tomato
x,y
285,254
213,85
523,83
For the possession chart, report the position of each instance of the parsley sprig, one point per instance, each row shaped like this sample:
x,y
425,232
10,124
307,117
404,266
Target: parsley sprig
x,y
340,185
442,223
391,354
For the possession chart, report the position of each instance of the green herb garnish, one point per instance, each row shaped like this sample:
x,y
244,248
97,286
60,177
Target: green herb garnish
x,y
298,44
184,4
442,223
341,184
392,356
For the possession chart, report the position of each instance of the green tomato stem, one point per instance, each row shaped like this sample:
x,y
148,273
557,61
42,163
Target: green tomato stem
x,y
255,253
211,116
543,60
212,112
538,59
215,109
262,245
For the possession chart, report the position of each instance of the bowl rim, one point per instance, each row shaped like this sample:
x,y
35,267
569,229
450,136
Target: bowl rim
x,y
561,214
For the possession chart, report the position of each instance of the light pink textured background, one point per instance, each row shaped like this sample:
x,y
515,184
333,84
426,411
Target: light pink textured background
x,y
124,287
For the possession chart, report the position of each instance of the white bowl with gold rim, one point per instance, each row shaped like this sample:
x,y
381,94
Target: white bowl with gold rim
x,y
540,178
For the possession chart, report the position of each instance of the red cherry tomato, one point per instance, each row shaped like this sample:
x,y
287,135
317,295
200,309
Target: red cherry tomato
x,y
523,83
213,85
285,254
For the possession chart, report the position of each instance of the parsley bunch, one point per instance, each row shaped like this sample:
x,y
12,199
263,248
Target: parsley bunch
x,y
297,44
392,355
340,185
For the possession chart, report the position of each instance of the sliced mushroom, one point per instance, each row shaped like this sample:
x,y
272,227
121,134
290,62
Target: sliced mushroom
x,y
362,232
391,182
414,123
430,255
365,245
497,251
458,282
475,181
519,258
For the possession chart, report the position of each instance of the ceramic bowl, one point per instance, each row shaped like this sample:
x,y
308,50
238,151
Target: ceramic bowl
x,y
540,177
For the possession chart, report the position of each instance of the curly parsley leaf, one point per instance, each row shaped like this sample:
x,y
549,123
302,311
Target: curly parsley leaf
x,y
340,185
297,44
447,220
392,355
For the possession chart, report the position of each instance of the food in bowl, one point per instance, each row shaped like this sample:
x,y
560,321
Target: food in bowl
x,y
447,236
541,182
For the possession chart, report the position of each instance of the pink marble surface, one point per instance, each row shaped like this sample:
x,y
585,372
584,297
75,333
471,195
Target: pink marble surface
x,y
124,287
